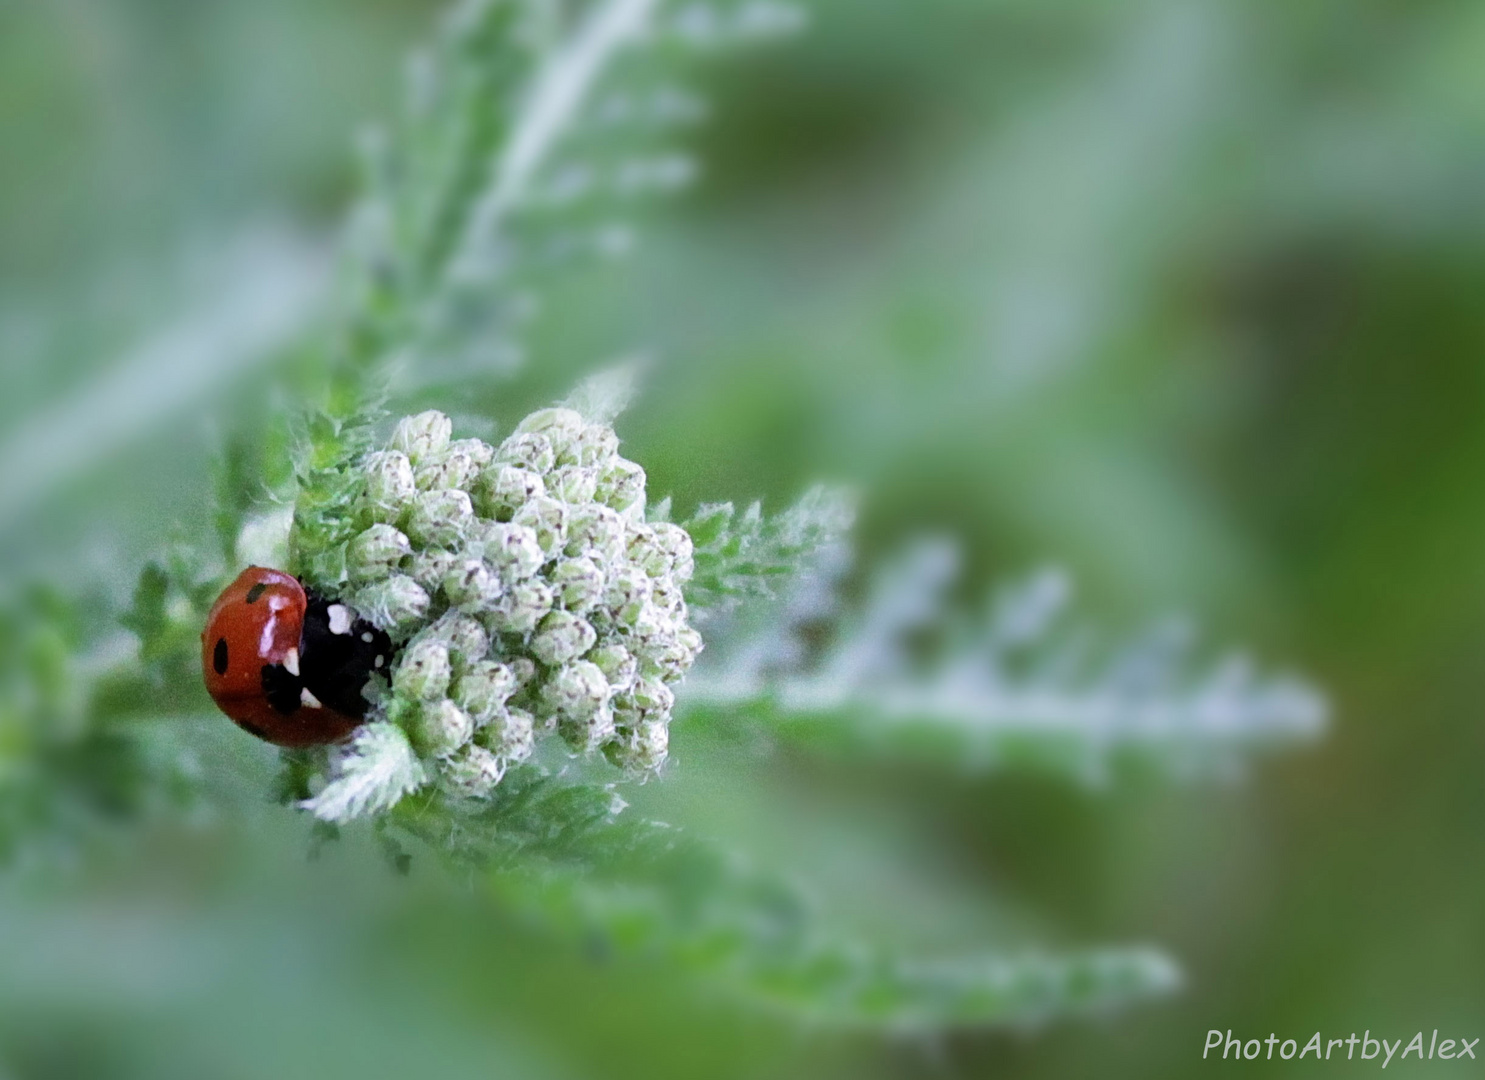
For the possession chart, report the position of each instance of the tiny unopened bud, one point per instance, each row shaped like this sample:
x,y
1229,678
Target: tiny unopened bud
x,y
595,447
424,670
561,427
579,583
572,484
504,489
671,655
675,544
389,484
484,689
622,486
422,436
666,595
562,637
641,748
521,607
472,772
472,585
510,735
628,594
586,734
617,664
645,551
456,467
523,669
596,530
527,450
395,604
429,568
576,690
466,639
376,553
513,550
647,699
441,727
546,517
440,517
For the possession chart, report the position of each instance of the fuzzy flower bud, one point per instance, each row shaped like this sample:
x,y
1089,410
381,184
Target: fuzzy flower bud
x,y
430,567
465,638
423,436
642,748
546,517
513,550
579,583
483,690
628,594
674,543
472,585
596,530
584,734
622,486
573,484
617,664
595,447
441,727
424,670
473,772
527,450
521,607
389,484
441,518
504,489
457,467
510,735
395,605
376,553
562,637
561,427
647,699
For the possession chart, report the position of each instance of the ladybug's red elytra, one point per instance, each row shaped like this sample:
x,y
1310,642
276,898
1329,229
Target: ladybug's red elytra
x,y
287,665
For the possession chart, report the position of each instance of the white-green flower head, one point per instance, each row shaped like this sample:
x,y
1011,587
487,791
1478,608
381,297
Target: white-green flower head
x,y
579,583
464,636
396,604
529,451
521,607
376,553
423,436
640,749
390,486
596,530
440,728
503,489
472,772
510,735
618,665
444,518
472,585
547,517
562,636
458,466
513,550
424,670
483,690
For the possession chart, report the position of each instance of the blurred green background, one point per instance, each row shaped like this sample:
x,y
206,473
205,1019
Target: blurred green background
x,y
1185,296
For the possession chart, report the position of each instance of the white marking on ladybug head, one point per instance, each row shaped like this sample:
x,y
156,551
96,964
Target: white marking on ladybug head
x,y
380,660
340,619
309,700
291,661
367,637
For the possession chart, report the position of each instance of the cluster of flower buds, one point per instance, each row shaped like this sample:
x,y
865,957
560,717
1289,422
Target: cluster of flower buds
x,y
529,592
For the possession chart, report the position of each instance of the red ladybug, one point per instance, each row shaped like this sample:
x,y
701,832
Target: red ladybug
x,y
286,664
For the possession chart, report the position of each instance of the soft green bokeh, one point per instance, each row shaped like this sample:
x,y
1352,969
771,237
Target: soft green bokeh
x,y
1185,296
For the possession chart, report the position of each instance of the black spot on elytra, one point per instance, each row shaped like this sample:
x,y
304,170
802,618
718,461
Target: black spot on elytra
x,y
219,656
281,688
255,592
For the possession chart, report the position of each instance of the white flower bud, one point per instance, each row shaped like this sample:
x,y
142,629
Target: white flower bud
x,y
513,550
523,669
577,690
667,597
645,551
671,655
617,664
376,553
579,583
585,734
527,450
473,772
628,594
504,489
572,484
648,699
510,735
595,447
521,607
440,517
395,605
562,427
483,690
641,748
457,467
466,639
548,519
389,484
424,670
441,727
622,486
675,543
562,637
429,568
472,585
596,530
422,436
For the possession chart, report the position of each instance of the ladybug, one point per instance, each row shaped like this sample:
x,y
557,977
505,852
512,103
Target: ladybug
x,y
287,664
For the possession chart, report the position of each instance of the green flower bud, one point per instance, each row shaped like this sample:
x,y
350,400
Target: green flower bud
x,y
667,597
521,607
504,489
595,530
510,735
457,467
429,568
389,484
466,639
577,690
641,748
561,427
513,550
572,484
627,595
472,772
621,485
422,436
586,734
440,728
595,447
562,637
645,551
423,671
546,517
617,664
523,669
671,655
376,553
472,585
396,604
527,450
675,544
441,518
483,690
579,583
648,699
